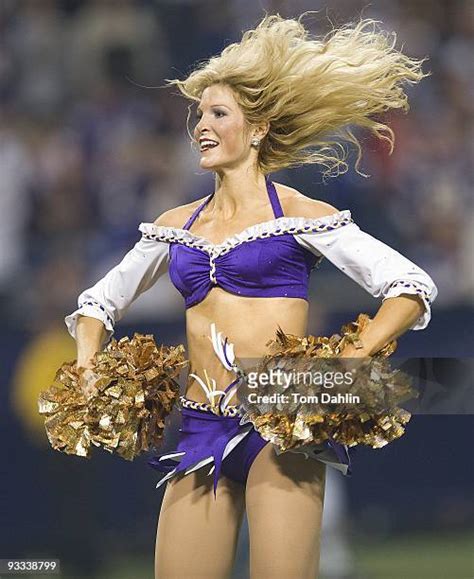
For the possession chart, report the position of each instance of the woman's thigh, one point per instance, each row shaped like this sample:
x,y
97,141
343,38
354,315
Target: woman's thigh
x,y
284,501
197,534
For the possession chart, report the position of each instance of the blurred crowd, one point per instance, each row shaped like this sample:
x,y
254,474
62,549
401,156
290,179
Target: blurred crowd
x,y
90,145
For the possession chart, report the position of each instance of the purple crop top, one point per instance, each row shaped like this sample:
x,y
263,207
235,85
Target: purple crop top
x,y
276,266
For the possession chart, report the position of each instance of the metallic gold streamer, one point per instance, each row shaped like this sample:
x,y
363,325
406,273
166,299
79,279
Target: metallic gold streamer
x,y
134,389
378,419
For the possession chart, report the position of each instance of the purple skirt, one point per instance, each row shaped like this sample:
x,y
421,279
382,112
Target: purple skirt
x,y
229,448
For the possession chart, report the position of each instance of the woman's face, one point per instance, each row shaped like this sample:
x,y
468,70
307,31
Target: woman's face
x,y
221,120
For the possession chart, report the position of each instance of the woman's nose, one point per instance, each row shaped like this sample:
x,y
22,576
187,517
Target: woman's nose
x,y
200,127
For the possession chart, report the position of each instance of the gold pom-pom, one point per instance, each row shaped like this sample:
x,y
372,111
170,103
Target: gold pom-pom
x,y
134,386
364,411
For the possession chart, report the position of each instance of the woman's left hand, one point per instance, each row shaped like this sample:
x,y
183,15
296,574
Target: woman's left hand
x,y
352,358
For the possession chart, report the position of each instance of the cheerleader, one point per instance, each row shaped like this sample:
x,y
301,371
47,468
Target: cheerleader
x,y
242,257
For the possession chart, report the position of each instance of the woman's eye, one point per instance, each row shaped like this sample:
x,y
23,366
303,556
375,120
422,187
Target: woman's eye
x,y
198,117
217,115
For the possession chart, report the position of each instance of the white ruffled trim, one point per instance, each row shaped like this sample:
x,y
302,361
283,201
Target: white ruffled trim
x,y
400,287
280,226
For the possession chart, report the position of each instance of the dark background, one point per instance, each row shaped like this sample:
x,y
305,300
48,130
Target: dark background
x,y
86,154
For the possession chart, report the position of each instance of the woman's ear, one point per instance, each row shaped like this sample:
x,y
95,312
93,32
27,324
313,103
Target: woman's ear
x,y
261,130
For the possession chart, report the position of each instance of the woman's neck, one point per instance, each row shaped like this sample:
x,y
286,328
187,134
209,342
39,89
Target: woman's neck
x,y
236,192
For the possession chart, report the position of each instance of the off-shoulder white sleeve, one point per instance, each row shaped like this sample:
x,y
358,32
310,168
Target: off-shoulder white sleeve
x,y
110,297
378,268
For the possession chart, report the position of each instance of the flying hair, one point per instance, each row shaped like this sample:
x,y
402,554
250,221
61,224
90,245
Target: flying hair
x,y
314,92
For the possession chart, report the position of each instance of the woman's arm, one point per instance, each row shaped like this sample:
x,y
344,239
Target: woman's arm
x,y
109,299
90,336
394,317
407,290
104,304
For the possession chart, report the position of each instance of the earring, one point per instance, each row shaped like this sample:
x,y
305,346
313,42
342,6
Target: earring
x,y
255,142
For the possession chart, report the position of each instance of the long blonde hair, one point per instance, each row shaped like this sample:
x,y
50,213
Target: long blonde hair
x,y
313,92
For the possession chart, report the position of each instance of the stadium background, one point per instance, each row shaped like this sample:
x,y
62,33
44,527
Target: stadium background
x,y
87,153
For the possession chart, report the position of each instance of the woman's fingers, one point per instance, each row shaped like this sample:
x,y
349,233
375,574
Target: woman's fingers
x,y
352,364
87,380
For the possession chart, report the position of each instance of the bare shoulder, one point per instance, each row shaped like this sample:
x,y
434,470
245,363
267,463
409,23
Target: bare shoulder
x,y
295,204
178,216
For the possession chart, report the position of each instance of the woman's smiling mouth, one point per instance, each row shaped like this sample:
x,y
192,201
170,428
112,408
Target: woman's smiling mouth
x,y
206,144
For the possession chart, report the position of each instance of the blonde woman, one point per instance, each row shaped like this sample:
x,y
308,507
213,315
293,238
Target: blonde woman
x,y
241,257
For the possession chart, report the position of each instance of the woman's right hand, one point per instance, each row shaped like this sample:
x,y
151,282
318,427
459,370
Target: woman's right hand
x,y
87,380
